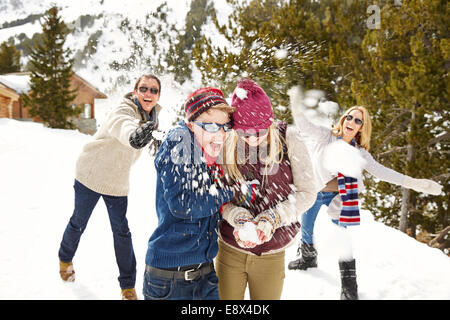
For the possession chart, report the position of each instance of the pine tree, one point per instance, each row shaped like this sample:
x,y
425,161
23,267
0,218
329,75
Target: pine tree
x,y
149,42
409,55
315,44
9,58
179,56
50,98
398,70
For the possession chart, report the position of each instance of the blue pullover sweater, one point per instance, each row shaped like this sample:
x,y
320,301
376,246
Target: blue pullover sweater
x,y
187,204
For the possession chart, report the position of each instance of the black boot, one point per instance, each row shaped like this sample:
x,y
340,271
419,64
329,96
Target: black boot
x,y
307,260
349,287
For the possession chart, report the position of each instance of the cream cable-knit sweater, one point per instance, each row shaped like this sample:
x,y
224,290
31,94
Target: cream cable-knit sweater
x,y
105,162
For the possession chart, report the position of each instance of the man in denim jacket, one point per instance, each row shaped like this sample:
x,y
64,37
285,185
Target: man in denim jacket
x,y
179,260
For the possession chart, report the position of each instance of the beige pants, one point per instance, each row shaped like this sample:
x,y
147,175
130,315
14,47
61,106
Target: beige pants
x,y
264,274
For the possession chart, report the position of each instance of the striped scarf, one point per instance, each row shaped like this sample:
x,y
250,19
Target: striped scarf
x,y
348,190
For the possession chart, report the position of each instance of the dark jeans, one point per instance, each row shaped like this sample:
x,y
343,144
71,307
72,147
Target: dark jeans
x,y
85,202
160,288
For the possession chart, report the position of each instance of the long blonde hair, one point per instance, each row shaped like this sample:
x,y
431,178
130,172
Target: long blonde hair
x,y
235,153
362,137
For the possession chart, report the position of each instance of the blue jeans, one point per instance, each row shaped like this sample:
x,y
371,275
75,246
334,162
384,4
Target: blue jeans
x,y
309,217
85,202
160,288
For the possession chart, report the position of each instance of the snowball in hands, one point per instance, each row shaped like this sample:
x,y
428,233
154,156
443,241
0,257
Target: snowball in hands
x,y
248,233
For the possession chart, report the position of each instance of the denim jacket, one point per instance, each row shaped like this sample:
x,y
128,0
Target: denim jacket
x,y
187,204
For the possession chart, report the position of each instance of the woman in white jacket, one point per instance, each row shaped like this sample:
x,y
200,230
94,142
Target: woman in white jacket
x,y
340,192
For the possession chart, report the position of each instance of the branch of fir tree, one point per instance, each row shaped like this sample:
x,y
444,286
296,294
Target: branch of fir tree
x,y
443,176
437,139
400,131
392,150
394,120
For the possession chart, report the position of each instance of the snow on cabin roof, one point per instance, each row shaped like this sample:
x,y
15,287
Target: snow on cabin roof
x,y
19,82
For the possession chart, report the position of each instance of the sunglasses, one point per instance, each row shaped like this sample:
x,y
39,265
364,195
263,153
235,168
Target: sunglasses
x,y
152,90
358,121
213,127
257,134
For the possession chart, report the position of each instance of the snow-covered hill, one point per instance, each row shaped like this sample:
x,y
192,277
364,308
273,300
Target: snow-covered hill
x,y
36,202
104,32
107,32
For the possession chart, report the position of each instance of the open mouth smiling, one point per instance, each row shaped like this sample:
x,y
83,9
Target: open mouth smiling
x,y
216,146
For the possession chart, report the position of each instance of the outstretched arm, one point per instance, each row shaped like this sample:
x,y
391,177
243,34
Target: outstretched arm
x,y
422,185
122,123
305,126
304,180
392,176
142,136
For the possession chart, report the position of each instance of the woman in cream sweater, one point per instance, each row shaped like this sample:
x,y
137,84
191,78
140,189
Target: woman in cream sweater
x,y
103,170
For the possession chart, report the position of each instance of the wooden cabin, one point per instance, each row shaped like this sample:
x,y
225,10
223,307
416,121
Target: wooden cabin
x,y
12,85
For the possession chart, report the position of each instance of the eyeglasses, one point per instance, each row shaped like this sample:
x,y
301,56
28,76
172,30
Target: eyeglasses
x,y
358,121
213,127
153,90
253,133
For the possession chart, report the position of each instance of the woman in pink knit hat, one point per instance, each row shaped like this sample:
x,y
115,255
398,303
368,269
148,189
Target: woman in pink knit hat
x,y
258,227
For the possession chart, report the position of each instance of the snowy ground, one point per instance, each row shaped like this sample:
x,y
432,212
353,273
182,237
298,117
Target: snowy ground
x,y
36,201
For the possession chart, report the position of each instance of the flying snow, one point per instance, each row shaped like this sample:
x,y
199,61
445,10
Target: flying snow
x,y
340,156
241,93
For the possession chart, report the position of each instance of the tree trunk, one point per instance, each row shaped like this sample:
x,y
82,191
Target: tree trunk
x,y
404,210
406,198
406,193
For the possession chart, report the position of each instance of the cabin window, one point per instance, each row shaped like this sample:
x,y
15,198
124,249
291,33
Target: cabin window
x,y
87,111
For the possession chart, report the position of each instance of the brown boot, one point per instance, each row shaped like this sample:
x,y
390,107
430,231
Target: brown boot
x,y
129,294
66,271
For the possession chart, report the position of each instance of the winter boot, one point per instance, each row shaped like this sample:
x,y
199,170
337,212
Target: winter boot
x,y
129,294
66,271
307,260
349,287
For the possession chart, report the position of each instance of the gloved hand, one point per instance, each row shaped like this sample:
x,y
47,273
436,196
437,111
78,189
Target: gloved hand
x,y
241,216
244,192
422,185
267,222
142,135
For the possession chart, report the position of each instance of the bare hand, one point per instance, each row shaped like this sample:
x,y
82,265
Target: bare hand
x,y
262,236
